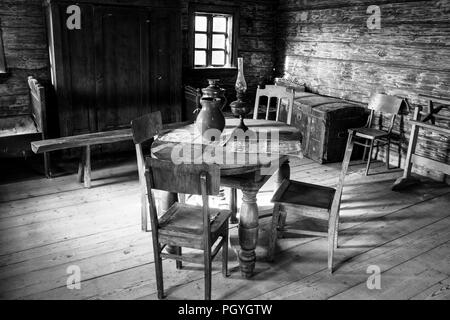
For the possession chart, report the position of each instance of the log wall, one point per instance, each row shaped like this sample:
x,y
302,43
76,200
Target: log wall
x,y
22,24
24,35
328,46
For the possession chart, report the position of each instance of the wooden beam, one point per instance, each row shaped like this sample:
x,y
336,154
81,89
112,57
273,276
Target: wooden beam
x,y
430,126
431,164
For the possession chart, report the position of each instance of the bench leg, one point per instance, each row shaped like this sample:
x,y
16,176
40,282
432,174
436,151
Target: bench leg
x,y
47,171
87,167
81,167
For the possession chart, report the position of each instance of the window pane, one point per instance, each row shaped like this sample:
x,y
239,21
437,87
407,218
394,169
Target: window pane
x,y
200,23
200,58
218,58
218,41
200,41
220,24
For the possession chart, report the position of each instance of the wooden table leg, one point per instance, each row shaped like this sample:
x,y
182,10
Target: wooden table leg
x,y
167,200
248,231
283,173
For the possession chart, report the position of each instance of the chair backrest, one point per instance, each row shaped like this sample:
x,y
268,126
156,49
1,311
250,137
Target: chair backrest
x,y
386,104
201,179
146,127
182,178
281,94
37,104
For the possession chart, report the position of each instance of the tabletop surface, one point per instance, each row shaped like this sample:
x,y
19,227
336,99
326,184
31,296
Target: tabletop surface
x,y
265,141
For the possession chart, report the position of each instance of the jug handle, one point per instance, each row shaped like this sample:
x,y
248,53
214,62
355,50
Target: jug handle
x,y
225,102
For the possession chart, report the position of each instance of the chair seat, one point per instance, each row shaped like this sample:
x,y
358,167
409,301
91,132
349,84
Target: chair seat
x,y
186,221
304,194
369,133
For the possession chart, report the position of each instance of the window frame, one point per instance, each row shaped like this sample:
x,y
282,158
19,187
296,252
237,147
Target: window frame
x,y
210,11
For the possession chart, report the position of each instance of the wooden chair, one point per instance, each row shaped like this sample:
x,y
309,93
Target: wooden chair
x,y
280,93
183,225
144,129
382,104
270,91
310,200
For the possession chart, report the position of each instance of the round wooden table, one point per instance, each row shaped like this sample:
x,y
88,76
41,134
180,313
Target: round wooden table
x,y
247,160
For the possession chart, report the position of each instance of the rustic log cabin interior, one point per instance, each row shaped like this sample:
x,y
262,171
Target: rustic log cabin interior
x,y
224,149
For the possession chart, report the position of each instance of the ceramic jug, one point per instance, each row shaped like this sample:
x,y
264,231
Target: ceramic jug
x,y
210,115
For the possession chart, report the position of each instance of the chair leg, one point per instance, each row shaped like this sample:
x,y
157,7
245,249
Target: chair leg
x,y
332,237
233,205
369,157
336,233
281,223
159,271
225,253
208,267
144,212
365,152
388,150
179,263
273,236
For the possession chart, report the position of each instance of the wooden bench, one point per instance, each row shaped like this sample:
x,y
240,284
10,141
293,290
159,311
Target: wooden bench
x,y
85,141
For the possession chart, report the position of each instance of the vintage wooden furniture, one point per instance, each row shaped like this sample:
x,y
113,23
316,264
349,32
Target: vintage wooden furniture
x,y
123,62
323,122
242,167
85,141
183,225
281,94
413,157
16,132
144,130
383,104
310,200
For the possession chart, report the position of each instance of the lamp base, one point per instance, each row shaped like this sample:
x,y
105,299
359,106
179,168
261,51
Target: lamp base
x,y
242,125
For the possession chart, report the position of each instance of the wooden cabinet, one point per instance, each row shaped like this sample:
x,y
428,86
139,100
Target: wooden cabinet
x,y
124,61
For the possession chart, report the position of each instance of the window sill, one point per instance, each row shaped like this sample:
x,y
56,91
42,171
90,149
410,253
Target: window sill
x,y
215,69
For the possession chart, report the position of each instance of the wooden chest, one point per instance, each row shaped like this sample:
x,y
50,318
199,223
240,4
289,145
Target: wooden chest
x,y
323,122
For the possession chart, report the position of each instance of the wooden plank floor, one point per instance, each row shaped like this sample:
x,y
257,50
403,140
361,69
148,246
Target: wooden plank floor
x,y
46,226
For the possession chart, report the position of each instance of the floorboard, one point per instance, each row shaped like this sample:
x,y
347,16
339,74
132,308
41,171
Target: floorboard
x,y
48,225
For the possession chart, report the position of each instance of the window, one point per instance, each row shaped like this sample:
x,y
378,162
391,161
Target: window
x,y
212,40
213,36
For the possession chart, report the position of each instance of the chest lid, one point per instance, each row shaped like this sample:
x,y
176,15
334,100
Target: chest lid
x,y
327,107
